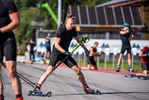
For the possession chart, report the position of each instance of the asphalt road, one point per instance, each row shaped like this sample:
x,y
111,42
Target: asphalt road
x,y
64,85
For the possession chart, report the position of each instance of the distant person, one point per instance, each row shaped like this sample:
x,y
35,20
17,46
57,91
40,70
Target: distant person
x,y
9,20
126,34
92,54
32,48
48,47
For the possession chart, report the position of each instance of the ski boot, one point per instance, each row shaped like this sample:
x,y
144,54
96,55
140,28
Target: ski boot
x,y
118,70
130,70
37,89
37,92
2,98
20,98
90,91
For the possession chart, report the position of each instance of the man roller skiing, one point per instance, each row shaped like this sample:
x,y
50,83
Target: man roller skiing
x,y
63,37
9,20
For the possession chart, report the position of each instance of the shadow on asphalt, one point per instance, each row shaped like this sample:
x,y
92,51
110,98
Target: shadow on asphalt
x,y
122,92
69,94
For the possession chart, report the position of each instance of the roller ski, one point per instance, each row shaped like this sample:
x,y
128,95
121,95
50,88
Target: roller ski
x,y
130,75
37,92
145,77
91,91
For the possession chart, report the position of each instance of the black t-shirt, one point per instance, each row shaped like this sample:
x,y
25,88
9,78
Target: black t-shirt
x,y
32,45
125,39
6,7
94,49
65,36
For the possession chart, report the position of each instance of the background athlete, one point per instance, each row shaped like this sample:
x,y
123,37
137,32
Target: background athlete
x,y
92,54
63,37
144,54
48,47
126,34
9,20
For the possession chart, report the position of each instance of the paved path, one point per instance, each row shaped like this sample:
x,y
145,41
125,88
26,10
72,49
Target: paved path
x,y
64,84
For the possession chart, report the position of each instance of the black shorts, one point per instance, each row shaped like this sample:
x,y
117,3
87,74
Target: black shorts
x,y
55,57
8,49
125,48
48,49
91,60
145,66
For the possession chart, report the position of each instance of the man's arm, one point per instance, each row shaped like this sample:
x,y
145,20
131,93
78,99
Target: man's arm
x,y
15,22
141,54
123,32
92,53
132,35
77,39
57,45
83,46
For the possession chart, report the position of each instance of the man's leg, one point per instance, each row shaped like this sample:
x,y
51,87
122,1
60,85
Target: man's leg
x,y
46,74
16,84
76,69
45,55
1,86
49,55
129,60
87,67
43,78
79,73
119,62
94,67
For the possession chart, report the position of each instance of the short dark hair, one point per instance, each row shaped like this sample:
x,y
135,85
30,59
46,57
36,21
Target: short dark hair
x,y
96,42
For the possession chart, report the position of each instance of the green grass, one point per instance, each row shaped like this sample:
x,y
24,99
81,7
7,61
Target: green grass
x,y
136,65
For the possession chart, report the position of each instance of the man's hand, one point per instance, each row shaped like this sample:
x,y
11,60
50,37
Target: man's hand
x,y
100,53
67,53
147,54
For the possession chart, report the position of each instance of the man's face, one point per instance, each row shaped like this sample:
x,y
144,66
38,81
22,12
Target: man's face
x,y
96,45
126,28
70,24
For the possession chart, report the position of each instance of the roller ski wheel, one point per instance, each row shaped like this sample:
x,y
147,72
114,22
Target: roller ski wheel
x,y
49,94
31,93
97,92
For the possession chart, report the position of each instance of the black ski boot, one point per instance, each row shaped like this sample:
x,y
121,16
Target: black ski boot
x,y
37,89
118,70
88,90
1,97
130,70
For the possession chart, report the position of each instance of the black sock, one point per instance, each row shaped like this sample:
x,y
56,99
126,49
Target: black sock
x,y
18,95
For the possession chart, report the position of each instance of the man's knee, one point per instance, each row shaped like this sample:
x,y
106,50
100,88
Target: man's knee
x,y
49,70
11,70
145,72
12,74
76,69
